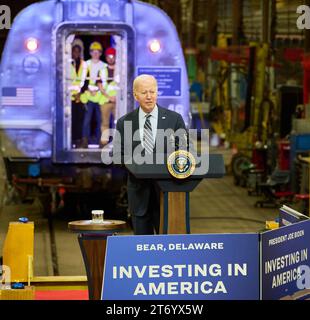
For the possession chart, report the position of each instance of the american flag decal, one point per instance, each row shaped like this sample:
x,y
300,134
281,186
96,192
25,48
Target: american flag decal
x,y
12,96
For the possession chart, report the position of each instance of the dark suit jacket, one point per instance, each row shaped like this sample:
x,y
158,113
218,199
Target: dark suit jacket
x,y
138,189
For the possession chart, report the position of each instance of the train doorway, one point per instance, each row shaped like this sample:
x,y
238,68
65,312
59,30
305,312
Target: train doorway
x,y
89,97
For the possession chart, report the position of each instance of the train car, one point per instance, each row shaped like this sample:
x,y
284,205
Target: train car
x,y
36,110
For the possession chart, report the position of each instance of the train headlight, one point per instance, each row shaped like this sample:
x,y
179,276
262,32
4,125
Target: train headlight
x,y
154,46
32,44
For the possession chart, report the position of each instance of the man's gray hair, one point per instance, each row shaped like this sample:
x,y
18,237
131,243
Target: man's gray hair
x,y
142,77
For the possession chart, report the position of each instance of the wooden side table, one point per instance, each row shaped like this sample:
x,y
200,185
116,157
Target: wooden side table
x,y
92,239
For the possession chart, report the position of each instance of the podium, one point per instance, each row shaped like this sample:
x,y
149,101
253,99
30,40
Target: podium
x,y
174,195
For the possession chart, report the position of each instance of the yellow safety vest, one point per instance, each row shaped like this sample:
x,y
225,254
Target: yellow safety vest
x,y
76,77
110,88
87,95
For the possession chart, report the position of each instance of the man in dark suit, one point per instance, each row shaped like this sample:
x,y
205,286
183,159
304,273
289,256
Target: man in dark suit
x,y
146,121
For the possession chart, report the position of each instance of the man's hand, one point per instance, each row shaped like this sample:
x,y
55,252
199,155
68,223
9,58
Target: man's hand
x,y
100,86
104,93
77,98
112,99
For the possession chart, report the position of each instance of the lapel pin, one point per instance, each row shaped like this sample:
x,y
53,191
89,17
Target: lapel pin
x,y
163,118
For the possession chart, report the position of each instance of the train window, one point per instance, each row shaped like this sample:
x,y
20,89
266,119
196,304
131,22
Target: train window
x,y
95,77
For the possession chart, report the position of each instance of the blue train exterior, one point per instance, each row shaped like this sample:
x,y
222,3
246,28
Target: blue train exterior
x,y
32,134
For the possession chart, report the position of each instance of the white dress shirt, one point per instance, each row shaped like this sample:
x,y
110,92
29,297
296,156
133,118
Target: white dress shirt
x,y
153,120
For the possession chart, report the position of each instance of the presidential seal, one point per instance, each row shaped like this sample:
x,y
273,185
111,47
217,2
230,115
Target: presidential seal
x,y
181,164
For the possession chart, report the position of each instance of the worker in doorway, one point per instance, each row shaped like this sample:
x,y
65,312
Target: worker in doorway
x,y
109,91
78,70
92,96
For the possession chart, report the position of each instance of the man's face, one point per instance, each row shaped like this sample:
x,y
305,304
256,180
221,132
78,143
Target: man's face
x,y
110,58
76,53
146,94
95,54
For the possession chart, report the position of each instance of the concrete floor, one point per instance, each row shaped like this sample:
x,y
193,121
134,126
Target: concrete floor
x,y
217,206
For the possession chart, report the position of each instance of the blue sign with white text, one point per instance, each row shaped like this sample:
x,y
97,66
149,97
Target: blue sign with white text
x,y
95,10
285,262
168,80
288,217
182,267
